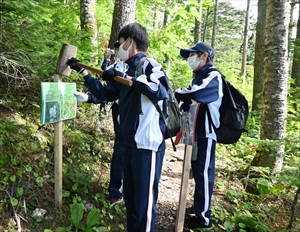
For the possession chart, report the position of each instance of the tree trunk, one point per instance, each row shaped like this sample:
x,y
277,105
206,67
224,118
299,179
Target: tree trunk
x,y
1,24
165,21
245,44
291,25
124,13
88,23
274,98
296,58
214,34
259,54
205,25
197,30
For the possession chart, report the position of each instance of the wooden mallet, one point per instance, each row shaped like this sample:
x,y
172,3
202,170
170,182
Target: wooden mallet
x,y
67,52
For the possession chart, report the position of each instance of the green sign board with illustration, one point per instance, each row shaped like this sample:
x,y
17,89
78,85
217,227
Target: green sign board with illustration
x,y
58,101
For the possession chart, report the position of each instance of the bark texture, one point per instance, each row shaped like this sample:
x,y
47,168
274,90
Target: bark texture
x,y
88,19
296,58
124,13
197,30
274,97
245,43
259,54
214,34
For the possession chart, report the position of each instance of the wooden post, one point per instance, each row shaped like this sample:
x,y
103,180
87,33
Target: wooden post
x,y
183,188
58,157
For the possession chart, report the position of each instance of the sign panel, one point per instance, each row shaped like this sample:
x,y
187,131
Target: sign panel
x,y
58,101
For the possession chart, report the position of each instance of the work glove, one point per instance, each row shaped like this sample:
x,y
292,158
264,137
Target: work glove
x,y
81,97
121,66
177,96
108,75
72,63
185,106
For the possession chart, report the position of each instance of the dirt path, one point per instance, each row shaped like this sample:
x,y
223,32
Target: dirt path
x,y
169,189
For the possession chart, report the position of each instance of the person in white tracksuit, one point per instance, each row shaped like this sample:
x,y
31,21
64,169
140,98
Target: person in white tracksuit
x,y
141,126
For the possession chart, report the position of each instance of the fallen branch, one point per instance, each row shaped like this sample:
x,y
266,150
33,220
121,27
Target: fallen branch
x,y
17,217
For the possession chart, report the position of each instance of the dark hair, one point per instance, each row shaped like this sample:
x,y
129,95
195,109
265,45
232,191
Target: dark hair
x,y
116,44
138,33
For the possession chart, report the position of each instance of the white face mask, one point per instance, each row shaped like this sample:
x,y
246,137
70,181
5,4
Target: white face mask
x,y
124,55
193,62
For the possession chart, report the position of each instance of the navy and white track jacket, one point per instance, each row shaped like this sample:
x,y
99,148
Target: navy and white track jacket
x,y
207,90
140,123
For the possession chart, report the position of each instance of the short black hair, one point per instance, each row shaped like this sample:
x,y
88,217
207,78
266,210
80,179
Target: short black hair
x,y
116,44
138,33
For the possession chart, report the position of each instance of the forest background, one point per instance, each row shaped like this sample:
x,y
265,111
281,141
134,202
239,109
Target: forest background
x,y
265,161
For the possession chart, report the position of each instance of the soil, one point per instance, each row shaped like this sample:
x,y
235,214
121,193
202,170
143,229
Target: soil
x,y
169,189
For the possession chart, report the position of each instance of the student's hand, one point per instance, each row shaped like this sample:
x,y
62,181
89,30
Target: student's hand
x,y
72,63
108,75
185,106
107,54
81,97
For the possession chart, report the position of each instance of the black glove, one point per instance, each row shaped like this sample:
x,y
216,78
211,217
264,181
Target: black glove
x,y
72,63
177,96
108,75
185,106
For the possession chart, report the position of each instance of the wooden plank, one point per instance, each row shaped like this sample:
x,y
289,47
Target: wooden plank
x,y
183,188
58,157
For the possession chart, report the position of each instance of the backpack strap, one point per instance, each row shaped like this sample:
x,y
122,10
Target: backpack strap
x,y
228,91
139,71
165,121
207,110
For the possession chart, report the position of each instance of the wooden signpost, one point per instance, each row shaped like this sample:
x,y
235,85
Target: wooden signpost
x,y
183,188
67,52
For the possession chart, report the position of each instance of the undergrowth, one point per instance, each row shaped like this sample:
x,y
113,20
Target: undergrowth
x,y
27,177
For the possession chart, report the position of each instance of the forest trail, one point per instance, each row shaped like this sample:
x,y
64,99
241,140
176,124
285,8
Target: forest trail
x,y
169,188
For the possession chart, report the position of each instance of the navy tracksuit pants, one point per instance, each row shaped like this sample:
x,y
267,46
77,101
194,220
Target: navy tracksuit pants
x,y
142,169
204,175
117,161
116,169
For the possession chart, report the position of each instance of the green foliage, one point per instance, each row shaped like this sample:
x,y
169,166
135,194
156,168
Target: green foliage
x,y
77,212
32,35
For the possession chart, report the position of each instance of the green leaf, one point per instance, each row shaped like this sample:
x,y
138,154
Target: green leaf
x,y
93,217
242,225
229,225
14,202
61,229
20,192
39,181
13,178
277,188
100,229
263,186
76,214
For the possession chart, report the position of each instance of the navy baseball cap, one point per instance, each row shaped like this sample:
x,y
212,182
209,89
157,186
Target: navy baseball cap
x,y
198,47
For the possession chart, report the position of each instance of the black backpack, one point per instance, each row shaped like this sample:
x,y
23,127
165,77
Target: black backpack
x,y
173,119
234,112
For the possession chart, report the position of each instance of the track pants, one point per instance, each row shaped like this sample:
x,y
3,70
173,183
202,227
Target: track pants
x,y
116,169
204,175
142,169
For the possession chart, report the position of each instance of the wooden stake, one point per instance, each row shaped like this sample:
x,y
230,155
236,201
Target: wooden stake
x,y
183,188
58,157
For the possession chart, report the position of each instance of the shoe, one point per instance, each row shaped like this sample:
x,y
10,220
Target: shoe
x,y
194,223
190,211
116,201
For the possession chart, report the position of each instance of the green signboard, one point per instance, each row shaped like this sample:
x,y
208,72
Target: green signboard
x,y
58,101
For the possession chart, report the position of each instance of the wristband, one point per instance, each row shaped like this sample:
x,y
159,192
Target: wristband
x,y
81,70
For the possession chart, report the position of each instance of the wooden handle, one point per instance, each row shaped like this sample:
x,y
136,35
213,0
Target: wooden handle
x,y
121,80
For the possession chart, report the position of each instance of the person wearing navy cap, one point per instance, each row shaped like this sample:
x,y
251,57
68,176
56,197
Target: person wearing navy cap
x,y
205,88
